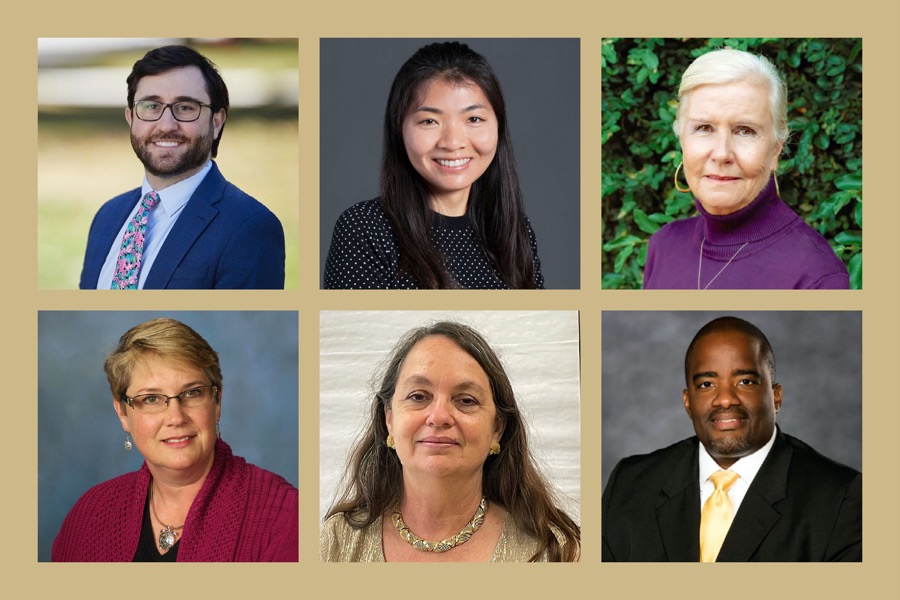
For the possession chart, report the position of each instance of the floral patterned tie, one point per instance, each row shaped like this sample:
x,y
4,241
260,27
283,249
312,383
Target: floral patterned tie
x,y
128,265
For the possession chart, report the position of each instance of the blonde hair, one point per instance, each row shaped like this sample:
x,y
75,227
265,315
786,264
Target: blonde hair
x,y
168,339
729,66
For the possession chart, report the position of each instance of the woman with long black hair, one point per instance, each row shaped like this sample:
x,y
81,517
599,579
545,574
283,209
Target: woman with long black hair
x,y
450,213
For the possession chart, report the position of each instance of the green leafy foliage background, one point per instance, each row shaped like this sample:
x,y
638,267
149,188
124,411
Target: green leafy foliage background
x,y
819,173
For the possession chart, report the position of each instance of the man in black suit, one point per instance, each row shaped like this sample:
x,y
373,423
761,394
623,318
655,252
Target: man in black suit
x,y
788,502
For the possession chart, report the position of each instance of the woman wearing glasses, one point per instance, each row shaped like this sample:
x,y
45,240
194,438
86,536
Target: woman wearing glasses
x,y
192,500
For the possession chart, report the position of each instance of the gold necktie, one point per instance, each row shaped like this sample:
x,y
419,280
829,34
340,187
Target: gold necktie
x,y
717,515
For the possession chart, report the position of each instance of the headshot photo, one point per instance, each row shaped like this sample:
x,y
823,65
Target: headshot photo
x,y
449,436
450,163
167,436
732,163
206,197
732,437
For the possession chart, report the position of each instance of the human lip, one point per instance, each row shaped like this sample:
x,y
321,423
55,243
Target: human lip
x,y
453,163
178,441
166,143
438,441
722,178
726,421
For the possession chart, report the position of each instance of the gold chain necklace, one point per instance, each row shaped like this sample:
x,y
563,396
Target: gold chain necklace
x,y
451,542
700,265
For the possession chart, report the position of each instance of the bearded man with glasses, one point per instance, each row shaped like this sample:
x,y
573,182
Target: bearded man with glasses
x,y
186,227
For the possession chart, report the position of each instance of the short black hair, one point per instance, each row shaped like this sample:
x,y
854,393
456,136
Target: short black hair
x,y
729,323
166,58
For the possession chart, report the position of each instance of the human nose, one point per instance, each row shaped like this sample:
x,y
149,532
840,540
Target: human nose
x,y
722,148
174,410
167,119
726,397
440,413
453,136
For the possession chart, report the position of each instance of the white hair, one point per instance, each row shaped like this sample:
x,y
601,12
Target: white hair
x,y
729,66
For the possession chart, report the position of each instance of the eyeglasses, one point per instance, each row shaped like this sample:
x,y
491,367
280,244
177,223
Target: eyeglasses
x,y
184,111
157,403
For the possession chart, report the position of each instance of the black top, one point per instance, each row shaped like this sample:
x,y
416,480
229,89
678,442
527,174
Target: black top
x,y
364,253
147,550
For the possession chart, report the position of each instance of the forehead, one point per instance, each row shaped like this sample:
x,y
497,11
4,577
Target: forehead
x,y
726,349
174,83
439,356
440,91
152,367
737,100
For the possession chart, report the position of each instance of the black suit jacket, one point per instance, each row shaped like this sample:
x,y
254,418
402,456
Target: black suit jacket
x,y
801,506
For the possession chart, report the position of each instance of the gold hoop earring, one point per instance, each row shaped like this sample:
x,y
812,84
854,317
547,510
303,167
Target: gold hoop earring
x,y
389,442
684,190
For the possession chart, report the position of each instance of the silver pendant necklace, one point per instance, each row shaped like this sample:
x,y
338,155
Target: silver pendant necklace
x,y
167,534
700,265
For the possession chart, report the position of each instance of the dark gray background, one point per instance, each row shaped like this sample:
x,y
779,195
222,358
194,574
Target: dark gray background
x,y
818,361
540,81
80,437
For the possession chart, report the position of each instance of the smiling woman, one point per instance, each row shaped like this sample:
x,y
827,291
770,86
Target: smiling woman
x,y
450,212
192,500
732,126
443,470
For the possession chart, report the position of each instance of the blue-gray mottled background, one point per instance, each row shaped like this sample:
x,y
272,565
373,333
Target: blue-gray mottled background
x,y
818,361
79,436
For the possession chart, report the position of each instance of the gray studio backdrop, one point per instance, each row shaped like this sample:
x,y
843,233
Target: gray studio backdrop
x,y
818,361
540,81
539,349
79,436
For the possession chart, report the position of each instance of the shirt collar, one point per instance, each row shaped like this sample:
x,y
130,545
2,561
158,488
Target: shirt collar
x,y
173,198
746,467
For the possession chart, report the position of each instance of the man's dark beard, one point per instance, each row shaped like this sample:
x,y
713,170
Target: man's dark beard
x,y
196,156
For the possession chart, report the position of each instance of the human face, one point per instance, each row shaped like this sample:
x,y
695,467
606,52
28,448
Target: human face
x,y
730,396
173,150
442,413
180,441
728,143
451,139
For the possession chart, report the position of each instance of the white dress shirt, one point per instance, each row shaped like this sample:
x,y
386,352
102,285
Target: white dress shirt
x,y
162,218
746,468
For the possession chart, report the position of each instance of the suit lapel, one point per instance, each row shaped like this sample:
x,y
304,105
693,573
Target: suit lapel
x,y
107,235
678,517
757,515
196,216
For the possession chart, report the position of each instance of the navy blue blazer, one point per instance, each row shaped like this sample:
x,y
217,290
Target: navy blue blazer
x,y
223,239
801,506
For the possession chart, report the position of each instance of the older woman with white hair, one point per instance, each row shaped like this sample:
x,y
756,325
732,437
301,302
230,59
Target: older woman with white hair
x,y
732,126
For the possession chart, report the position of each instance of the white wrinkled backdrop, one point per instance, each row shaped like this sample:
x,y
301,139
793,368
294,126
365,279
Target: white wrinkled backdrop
x,y
539,349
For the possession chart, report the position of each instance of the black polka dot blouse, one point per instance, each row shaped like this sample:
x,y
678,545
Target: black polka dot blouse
x,y
364,253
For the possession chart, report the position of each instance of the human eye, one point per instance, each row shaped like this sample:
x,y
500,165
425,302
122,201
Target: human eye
x,y
192,393
468,401
743,130
417,396
477,119
703,128
427,121
149,105
186,107
705,385
148,400
747,381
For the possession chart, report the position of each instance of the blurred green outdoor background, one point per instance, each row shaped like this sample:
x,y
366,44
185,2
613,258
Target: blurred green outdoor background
x,y
85,156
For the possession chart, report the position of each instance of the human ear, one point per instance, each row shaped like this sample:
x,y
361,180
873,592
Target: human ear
x,y
122,413
128,116
776,389
687,403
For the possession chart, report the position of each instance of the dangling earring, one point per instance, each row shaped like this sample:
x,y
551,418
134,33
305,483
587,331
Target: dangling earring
x,y
128,445
775,177
683,190
495,448
389,442
218,431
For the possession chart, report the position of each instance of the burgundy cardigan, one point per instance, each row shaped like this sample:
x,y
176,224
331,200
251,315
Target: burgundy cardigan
x,y
241,514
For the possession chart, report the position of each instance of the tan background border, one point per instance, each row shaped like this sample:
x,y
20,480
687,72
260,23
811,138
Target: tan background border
x,y
873,20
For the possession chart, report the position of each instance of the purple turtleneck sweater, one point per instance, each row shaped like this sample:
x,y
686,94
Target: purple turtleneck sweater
x,y
781,251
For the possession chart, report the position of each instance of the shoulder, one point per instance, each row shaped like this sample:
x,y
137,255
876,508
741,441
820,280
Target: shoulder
x,y
677,232
341,542
659,461
821,266
364,215
809,463
108,493
236,202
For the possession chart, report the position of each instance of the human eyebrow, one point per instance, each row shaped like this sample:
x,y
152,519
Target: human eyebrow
x,y
703,375
474,107
428,109
414,380
751,372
